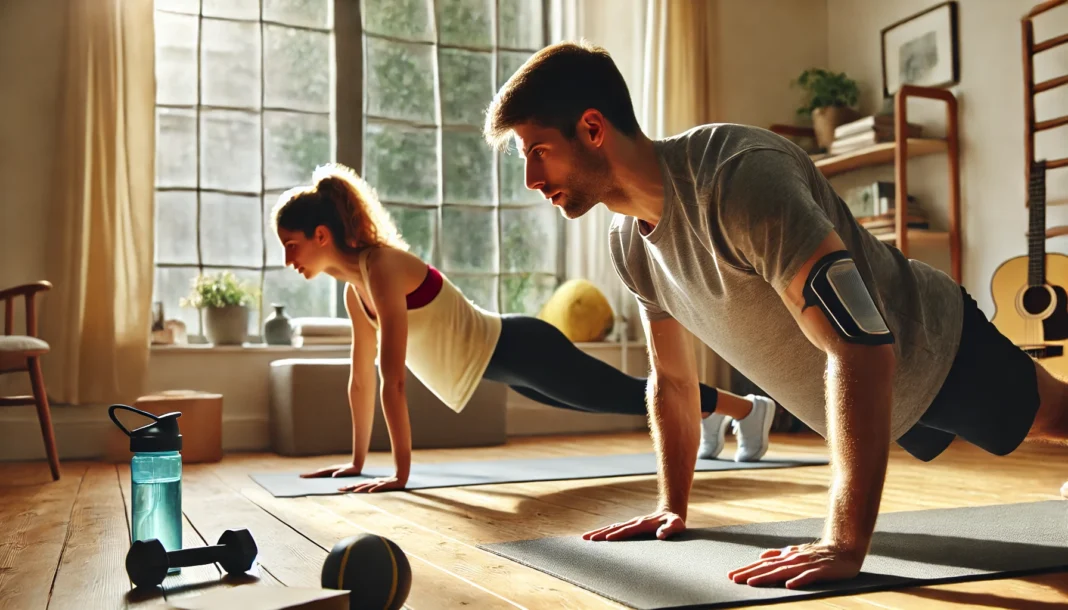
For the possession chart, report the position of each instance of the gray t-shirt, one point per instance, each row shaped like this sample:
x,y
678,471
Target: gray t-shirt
x,y
743,210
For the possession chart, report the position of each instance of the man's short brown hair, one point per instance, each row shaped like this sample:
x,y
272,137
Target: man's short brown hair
x,y
554,87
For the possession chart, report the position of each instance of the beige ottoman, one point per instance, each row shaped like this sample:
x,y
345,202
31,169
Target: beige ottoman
x,y
309,410
200,424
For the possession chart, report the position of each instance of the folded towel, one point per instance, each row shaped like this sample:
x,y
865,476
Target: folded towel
x,y
321,327
304,341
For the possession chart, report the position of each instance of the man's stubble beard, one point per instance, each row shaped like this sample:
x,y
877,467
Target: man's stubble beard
x,y
590,182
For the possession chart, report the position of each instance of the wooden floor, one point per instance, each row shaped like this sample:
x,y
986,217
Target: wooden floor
x,y
63,544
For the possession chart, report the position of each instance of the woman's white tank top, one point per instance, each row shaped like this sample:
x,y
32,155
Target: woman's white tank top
x,y
450,342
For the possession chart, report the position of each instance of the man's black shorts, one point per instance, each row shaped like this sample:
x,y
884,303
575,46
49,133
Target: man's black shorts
x,y
989,398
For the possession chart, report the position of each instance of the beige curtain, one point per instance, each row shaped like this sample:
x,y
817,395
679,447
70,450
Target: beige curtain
x,y
680,66
615,25
101,242
680,92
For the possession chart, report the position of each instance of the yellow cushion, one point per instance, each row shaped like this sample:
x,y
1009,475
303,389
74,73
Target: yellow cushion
x,y
14,349
580,310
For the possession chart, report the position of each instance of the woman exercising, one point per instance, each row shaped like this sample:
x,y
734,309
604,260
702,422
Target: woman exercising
x,y
337,226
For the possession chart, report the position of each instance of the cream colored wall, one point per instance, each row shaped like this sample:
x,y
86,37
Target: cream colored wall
x,y
30,52
763,46
993,188
30,60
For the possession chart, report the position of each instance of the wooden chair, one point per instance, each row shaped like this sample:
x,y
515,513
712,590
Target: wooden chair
x,y
23,353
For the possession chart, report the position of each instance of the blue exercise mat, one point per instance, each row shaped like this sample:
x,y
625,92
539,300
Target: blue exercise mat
x,y
487,472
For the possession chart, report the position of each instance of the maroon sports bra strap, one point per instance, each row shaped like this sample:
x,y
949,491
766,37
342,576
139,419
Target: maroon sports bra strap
x,y
426,291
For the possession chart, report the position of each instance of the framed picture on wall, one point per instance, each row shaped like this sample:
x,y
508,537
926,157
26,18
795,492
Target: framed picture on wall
x,y
922,50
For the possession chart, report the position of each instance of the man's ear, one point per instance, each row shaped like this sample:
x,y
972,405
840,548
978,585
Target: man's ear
x,y
592,127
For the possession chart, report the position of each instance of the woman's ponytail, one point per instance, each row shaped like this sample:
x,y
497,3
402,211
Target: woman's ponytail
x,y
362,218
335,191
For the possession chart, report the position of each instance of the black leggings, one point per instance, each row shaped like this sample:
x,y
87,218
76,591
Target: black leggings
x,y
541,363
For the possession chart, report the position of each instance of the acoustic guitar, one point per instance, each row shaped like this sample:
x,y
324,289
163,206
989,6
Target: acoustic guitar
x,y
1030,300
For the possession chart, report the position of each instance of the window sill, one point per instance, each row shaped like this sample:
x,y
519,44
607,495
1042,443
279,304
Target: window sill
x,y
199,348
609,344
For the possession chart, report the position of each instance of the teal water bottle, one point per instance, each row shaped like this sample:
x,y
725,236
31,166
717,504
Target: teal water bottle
x,y
155,479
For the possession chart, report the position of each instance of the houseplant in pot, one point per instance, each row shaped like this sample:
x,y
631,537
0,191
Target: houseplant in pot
x,y
830,98
225,301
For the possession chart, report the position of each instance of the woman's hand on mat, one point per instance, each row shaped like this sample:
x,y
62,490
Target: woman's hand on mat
x,y
799,566
664,523
337,470
381,484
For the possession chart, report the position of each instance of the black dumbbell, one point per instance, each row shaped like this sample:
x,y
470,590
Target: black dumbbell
x,y
147,561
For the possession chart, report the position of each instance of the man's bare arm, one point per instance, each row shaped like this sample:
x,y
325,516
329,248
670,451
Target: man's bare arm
x,y
858,390
673,395
674,410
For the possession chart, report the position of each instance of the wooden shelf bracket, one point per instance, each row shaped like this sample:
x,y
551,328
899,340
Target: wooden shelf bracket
x,y
901,158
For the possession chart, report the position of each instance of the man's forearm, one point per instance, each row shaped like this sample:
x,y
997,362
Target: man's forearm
x,y
859,386
675,421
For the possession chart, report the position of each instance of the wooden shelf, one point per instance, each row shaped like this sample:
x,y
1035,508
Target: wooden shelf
x,y
918,236
879,154
886,153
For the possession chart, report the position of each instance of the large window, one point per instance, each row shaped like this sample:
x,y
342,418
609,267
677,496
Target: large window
x,y
430,70
253,94
245,109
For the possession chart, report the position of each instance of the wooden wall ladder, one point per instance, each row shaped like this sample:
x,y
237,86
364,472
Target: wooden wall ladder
x,y
1032,89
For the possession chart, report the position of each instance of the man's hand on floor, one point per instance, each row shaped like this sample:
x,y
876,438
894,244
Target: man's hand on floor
x,y
664,523
799,566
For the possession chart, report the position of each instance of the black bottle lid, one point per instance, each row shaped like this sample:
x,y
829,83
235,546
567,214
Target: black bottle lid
x,y
160,435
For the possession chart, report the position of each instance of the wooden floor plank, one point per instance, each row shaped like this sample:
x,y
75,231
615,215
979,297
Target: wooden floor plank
x,y
212,507
17,474
92,572
441,528
430,582
964,476
35,520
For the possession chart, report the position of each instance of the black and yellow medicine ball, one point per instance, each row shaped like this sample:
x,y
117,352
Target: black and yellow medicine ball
x,y
372,568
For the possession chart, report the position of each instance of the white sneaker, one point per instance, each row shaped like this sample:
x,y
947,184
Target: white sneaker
x,y
752,432
713,433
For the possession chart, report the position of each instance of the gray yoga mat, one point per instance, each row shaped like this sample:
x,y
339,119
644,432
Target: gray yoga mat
x,y
456,474
909,549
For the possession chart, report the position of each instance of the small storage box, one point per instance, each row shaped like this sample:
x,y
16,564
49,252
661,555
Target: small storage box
x,y
200,424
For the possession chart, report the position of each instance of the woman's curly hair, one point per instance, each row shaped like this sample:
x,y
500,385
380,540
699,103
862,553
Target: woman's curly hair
x,y
342,202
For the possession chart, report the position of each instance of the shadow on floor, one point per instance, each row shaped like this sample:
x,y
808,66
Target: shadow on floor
x,y
562,505
990,600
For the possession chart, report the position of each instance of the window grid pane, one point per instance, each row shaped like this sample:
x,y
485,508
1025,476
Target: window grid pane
x,y
223,156
460,206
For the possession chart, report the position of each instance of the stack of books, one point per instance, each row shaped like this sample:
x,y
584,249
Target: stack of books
x,y
868,131
873,207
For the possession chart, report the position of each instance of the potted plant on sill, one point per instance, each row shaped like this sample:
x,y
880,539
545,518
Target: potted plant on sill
x,y
225,301
830,98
